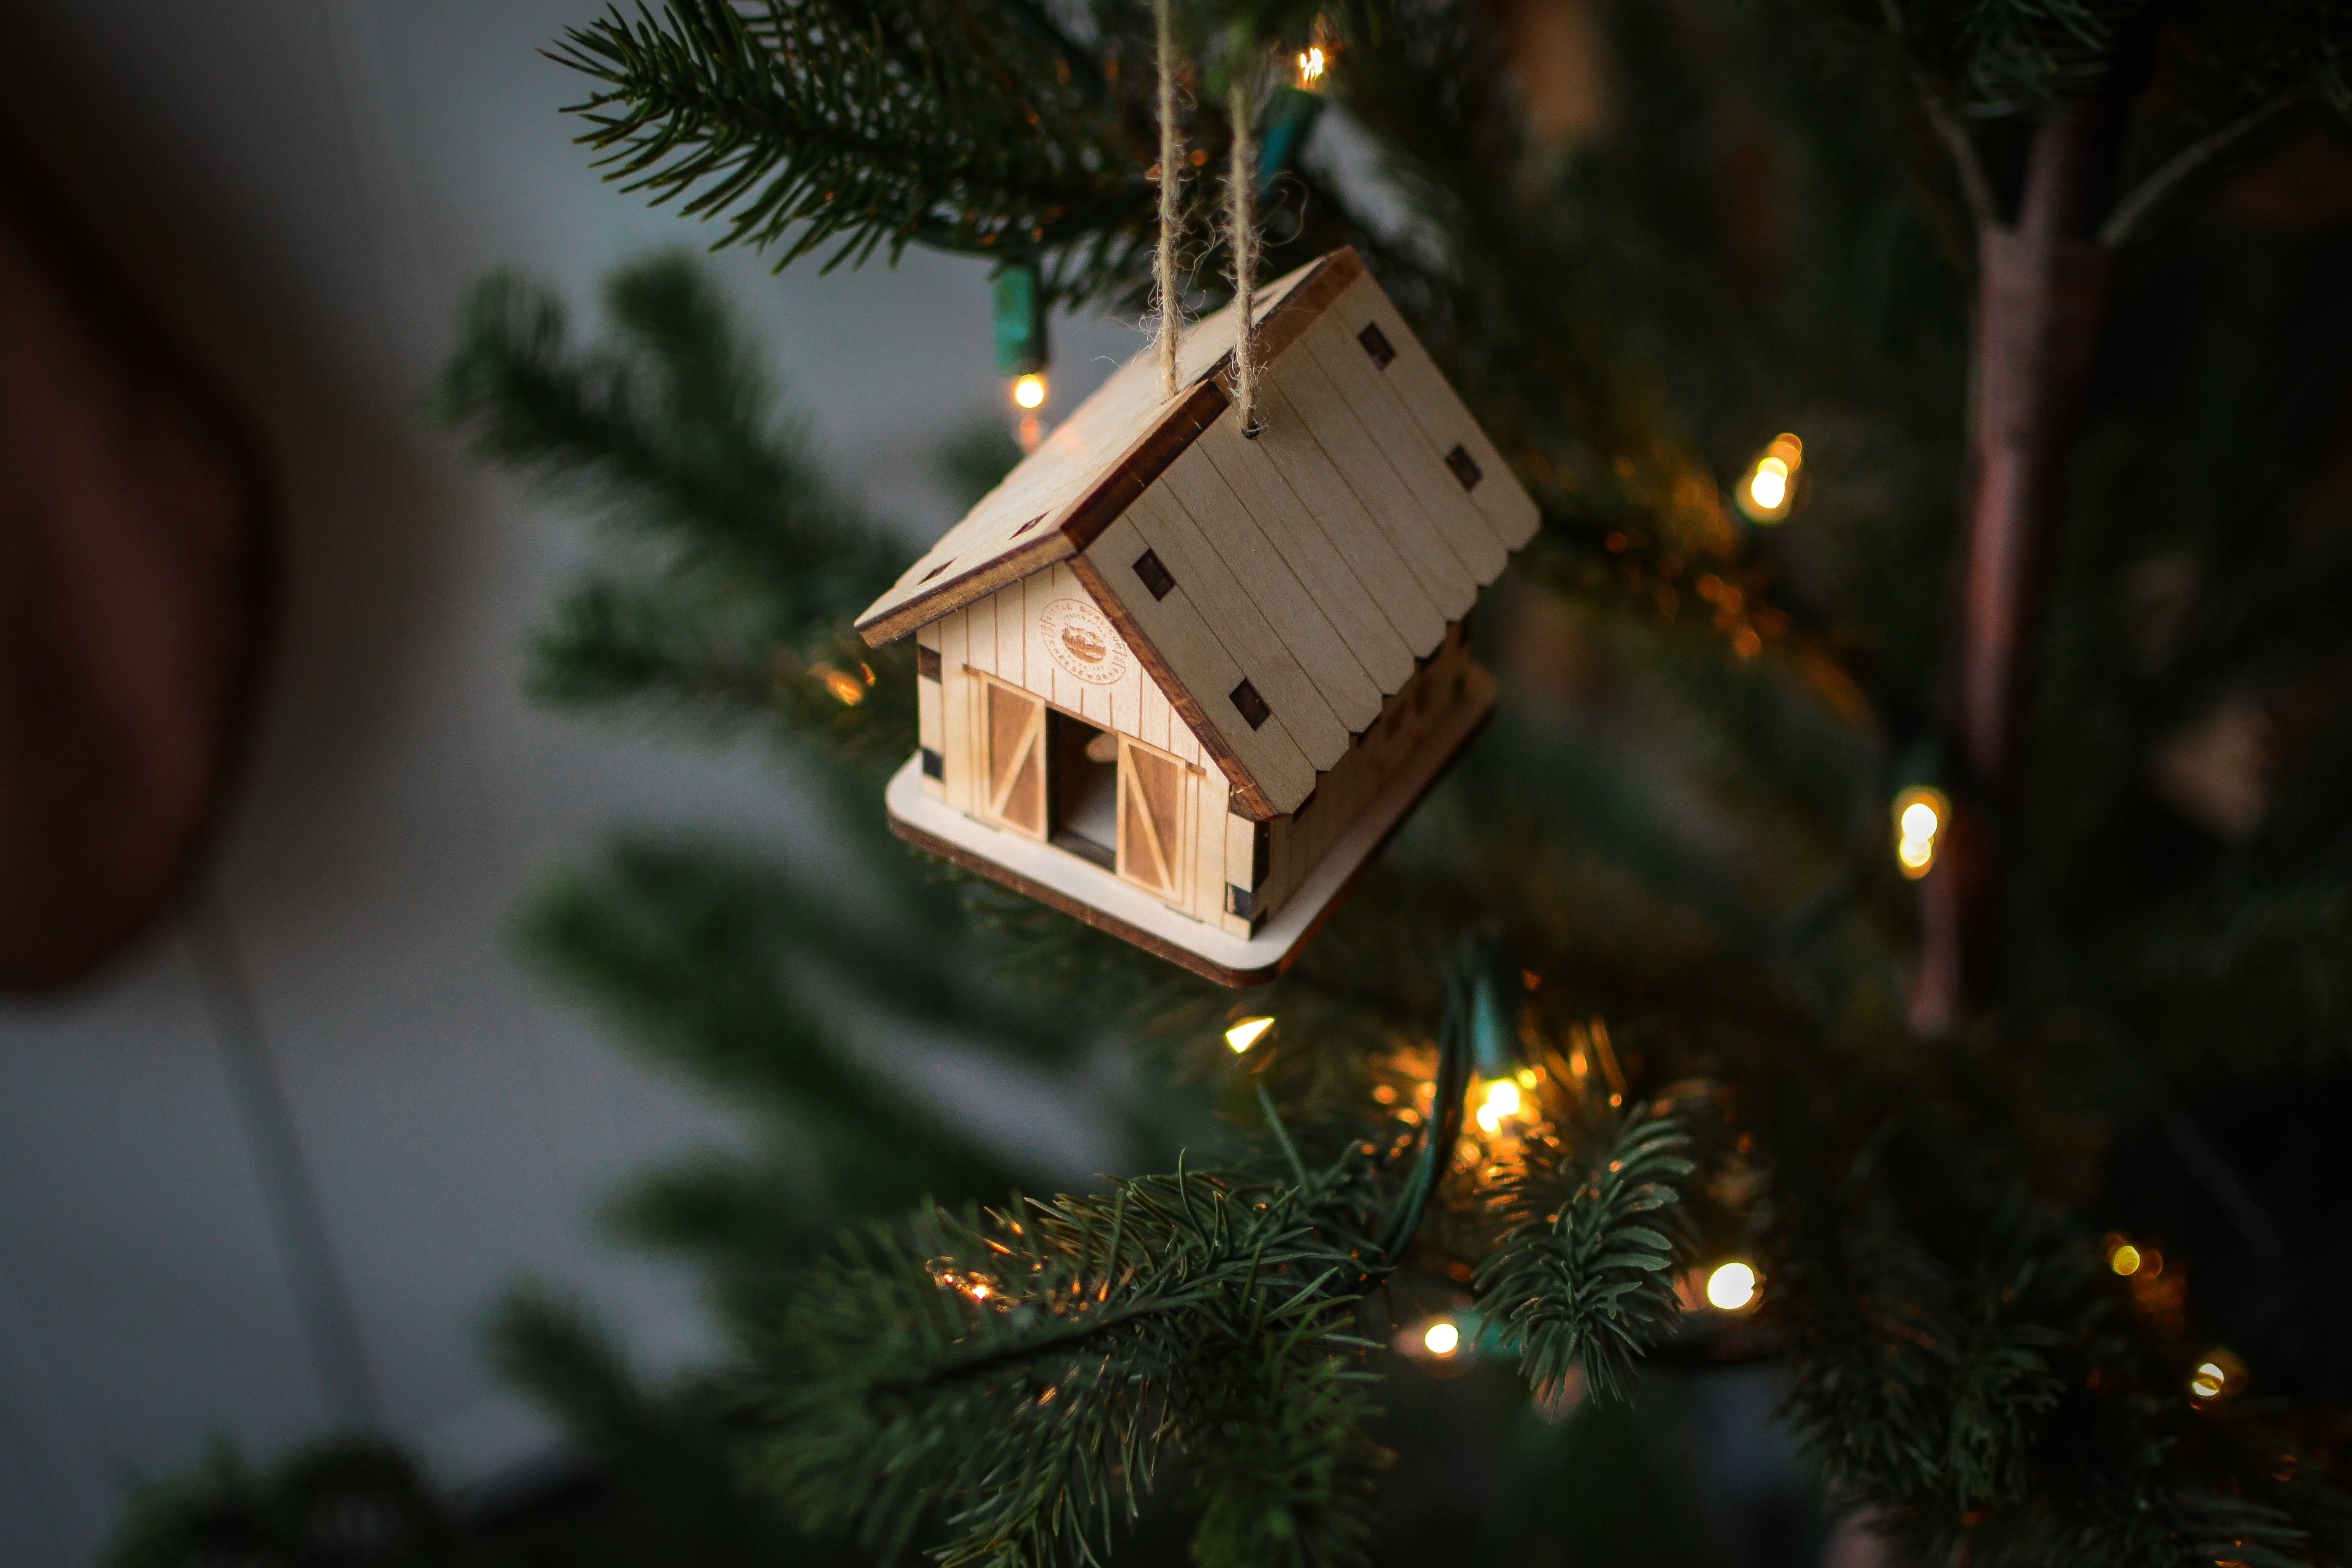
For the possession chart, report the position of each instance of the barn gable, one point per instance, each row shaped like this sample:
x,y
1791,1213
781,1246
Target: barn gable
x,y
1046,635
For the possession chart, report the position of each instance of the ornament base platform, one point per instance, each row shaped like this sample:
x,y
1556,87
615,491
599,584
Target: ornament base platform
x,y
1054,877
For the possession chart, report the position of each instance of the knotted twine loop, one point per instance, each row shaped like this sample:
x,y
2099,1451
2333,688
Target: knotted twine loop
x,y
1240,184
1163,261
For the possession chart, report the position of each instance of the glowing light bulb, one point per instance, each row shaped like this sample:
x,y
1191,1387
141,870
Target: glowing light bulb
x,y
1920,814
1311,62
1029,392
847,688
2220,1372
1769,487
1731,1287
1246,1034
1502,1102
1441,1338
2124,1259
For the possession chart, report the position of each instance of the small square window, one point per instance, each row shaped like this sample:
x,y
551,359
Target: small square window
x,y
1465,469
927,662
1251,706
934,766
1240,902
1154,576
1376,343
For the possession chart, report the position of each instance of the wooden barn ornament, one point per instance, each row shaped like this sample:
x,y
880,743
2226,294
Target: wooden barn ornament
x,y
1181,683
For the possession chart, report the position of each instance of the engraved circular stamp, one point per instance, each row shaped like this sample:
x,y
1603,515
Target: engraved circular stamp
x,y
1080,639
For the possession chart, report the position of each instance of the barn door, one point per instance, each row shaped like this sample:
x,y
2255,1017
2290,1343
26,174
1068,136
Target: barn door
x,y
1152,842
1012,736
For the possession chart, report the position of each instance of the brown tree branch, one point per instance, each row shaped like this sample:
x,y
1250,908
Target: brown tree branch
x,y
1976,189
2133,212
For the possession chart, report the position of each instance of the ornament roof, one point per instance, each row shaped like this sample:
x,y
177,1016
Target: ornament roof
x,y
1313,565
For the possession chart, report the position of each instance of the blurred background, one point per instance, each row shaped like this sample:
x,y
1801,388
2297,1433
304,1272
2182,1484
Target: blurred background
x,y
268,1169
263,1172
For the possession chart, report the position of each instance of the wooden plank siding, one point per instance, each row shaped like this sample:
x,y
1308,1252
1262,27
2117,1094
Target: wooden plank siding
x,y
1291,450
1440,412
1300,842
1051,505
1300,386
1419,464
1201,671
955,708
1266,577
1181,541
1322,561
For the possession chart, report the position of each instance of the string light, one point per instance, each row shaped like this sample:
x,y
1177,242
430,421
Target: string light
x,y
847,688
1311,62
1440,1338
1502,1103
2215,1375
2124,1259
1731,1287
972,1284
1029,391
1920,814
1770,486
1246,1034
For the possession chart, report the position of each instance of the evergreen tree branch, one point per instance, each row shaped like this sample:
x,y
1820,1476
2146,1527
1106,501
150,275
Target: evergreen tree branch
x,y
666,1454
344,1501
802,124
669,427
1022,1374
1581,1272
693,957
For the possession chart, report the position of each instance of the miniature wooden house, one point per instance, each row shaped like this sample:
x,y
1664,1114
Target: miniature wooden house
x,y
1182,683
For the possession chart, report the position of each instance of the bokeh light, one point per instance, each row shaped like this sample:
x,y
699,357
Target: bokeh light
x,y
1502,1102
1769,489
1731,1287
1246,1033
1920,816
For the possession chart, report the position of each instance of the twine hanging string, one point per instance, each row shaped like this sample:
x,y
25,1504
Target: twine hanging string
x,y
1240,192
1240,184
1163,261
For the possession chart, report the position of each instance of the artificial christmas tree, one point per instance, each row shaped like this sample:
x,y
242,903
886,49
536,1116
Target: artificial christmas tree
x,y
2029,1171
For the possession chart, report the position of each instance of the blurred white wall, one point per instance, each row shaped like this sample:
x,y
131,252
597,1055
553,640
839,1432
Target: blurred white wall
x,y
262,1176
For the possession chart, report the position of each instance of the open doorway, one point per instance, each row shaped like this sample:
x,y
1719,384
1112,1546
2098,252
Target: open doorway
x,y
1085,774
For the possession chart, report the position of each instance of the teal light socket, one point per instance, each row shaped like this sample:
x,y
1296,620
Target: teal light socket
x,y
1288,117
1019,321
